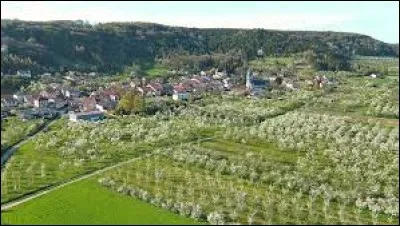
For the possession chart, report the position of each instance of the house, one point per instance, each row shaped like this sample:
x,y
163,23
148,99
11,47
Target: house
x,y
180,96
156,89
140,90
59,103
110,93
50,94
24,74
328,82
180,93
45,75
91,116
374,75
74,104
260,52
289,86
227,84
219,75
89,104
40,102
19,97
4,114
70,74
148,91
168,89
29,99
254,85
70,93
105,105
318,81
4,48
9,102
55,86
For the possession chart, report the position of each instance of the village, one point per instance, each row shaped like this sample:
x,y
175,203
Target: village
x,y
60,97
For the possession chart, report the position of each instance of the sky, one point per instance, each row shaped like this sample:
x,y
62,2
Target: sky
x,y
378,19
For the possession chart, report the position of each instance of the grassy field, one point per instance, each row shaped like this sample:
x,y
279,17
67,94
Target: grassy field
x,y
156,72
87,202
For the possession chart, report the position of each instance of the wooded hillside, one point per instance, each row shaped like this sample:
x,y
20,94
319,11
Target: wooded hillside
x,y
111,46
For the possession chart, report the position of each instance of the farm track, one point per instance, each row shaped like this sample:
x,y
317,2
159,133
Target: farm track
x,y
49,189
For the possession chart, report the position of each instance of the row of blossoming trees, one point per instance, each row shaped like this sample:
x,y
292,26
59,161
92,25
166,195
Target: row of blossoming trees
x,y
347,173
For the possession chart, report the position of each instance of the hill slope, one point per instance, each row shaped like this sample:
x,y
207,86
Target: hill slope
x,y
110,46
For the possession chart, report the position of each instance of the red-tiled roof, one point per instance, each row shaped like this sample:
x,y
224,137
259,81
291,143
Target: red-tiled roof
x,y
179,88
89,103
155,86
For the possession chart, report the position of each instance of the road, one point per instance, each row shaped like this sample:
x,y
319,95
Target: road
x,y
15,147
53,188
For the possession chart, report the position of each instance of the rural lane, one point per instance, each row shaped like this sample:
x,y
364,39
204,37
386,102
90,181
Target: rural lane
x,y
7,206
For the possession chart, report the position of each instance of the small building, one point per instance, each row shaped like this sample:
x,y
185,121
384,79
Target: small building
x,y
4,48
24,74
70,93
19,97
374,75
89,104
260,52
180,96
180,93
104,105
168,89
40,102
45,75
328,82
156,88
91,116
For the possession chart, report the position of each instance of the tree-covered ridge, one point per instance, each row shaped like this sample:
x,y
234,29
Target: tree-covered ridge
x,y
111,46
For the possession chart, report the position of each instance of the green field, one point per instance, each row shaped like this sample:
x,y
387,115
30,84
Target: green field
x,y
87,202
156,72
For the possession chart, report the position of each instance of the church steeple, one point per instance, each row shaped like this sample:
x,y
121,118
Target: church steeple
x,y
249,76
